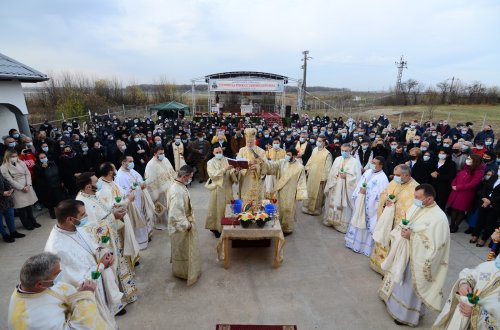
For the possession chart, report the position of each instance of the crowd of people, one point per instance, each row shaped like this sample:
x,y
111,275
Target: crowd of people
x,y
396,192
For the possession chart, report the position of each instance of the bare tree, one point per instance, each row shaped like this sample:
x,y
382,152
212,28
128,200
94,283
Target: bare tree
x,y
431,100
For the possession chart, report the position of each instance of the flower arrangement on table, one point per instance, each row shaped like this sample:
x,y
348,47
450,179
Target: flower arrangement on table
x,y
261,219
246,219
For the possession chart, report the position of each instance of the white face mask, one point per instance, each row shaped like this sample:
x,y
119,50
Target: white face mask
x,y
468,162
219,156
13,159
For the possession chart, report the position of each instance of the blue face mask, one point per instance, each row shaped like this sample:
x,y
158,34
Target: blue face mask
x,y
45,149
312,140
319,144
158,143
426,158
288,158
219,156
397,179
344,154
44,160
12,145
418,203
55,280
98,185
497,261
83,222
160,158
130,166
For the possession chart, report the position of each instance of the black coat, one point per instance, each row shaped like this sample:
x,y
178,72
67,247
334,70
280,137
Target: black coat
x,y
6,202
442,184
421,171
69,166
50,192
364,156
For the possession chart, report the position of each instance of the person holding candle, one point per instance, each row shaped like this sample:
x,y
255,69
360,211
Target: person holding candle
x,y
79,256
220,185
185,251
479,284
103,218
317,169
42,301
416,274
402,188
372,184
342,180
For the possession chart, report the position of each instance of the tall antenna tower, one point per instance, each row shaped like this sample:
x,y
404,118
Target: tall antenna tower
x,y
304,67
401,65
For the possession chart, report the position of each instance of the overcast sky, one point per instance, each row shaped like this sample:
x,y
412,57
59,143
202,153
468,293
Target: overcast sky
x,y
353,44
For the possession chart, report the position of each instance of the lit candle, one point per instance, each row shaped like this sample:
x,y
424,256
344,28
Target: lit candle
x,y
98,264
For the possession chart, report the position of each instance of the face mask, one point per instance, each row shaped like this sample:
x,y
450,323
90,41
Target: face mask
x,y
464,132
160,157
371,166
434,134
418,203
456,151
446,145
12,144
416,141
189,181
497,262
44,160
487,177
29,145
83,222
468,162
344,135
479,147
288,158
364,147
312,140
355,134
319,144
130,166
423,148
276,146
45,149
464,148
397,179
372,136
219,156
394,147
302,140
13,159
426,158
413,157
266,136
438,139
488,143
15,136
98,185
412,126
442,156
315,130
85,149
123,148
136,140
344,154
200,139
354,146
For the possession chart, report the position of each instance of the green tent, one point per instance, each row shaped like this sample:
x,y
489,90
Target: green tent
x,y
169,106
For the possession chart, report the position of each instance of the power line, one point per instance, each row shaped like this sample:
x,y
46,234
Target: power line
x,y
304,67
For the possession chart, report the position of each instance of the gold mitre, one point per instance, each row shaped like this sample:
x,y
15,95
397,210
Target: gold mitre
x,y
250,134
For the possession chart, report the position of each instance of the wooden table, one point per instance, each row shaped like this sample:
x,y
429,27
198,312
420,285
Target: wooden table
x,y
253,233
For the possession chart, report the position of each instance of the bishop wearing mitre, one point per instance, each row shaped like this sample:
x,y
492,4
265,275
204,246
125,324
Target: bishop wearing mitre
x,y
250,188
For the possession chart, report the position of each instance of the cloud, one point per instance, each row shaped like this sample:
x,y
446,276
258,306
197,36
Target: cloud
x,y
353,44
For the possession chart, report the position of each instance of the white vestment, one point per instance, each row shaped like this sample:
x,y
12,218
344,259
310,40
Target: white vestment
x,y
357,239
159,176
59,307
339,203
79,257
129,180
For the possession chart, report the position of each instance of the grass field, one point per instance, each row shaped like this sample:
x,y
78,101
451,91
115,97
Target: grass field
x,y
453,113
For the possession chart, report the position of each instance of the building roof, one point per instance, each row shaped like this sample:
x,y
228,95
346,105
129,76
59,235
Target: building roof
x,y
247,74
11,69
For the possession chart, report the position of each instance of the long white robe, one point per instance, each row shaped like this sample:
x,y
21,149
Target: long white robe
x,y
185,251
486,313
107,195
58,307
270,180
129,180
425,272
159,176
79,257
101,220
339,192
357,239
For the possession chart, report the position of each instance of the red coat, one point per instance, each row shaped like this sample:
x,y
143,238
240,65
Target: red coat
x,y
462,199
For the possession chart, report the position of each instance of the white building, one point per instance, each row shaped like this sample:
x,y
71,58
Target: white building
x,y
13,110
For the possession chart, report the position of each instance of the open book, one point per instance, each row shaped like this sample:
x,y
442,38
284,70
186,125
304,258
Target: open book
x,y
241,163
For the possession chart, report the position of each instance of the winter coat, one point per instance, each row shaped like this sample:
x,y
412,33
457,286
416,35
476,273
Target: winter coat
x,y
442,184
6,202
19,177
462,198
49,184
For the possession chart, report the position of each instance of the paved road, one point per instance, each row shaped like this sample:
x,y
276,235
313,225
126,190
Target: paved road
x,y
321,284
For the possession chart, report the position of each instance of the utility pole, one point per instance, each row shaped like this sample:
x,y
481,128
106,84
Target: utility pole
x,y
304,67
401,65
451,89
